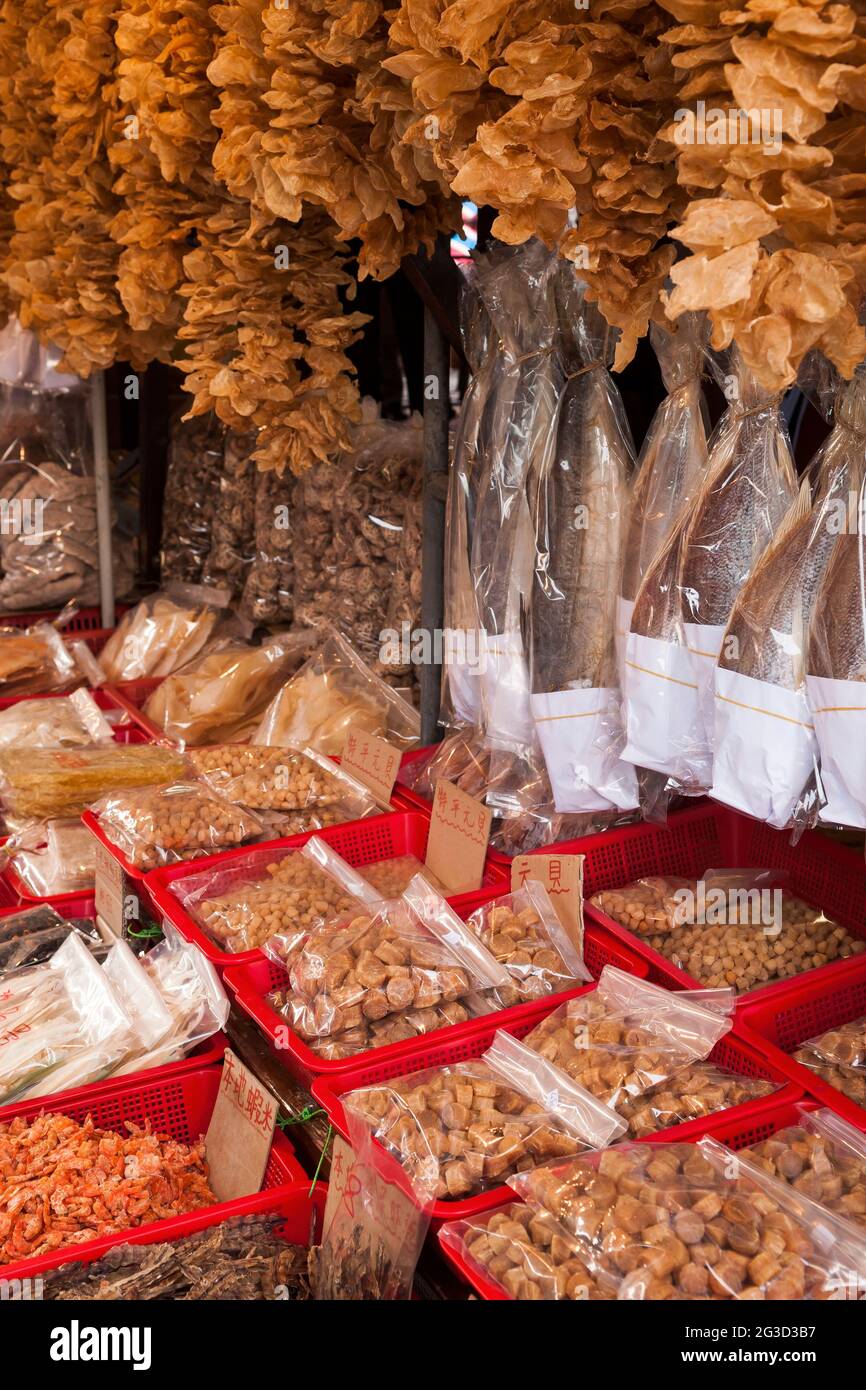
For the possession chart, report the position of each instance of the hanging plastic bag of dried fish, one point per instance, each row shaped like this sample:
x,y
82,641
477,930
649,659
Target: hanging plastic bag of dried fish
x,y
836,679
517,290
579,501
765,745
685,601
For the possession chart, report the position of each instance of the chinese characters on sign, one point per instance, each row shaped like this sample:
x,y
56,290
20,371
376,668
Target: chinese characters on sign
x,y
372,761
562,876
240,1132
459,831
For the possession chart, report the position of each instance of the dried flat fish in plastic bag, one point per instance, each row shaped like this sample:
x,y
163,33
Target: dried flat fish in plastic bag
x,y
579,501
516,286
765,745
686,598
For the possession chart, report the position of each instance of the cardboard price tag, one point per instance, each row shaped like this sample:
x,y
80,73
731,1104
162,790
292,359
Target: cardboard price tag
x,y
240,1133
457,844
109,889
373,761
562,876
367,1216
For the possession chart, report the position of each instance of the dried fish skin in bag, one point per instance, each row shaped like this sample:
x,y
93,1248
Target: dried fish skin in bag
x,y
580,507
836,678
672,460
516,287
694,583
765,744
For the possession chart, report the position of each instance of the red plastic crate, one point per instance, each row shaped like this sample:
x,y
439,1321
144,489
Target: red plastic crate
x,y
133,696
180,1107
732,1052
251,983
412,798
806,1008
359,842
85,620
738,1131
708,836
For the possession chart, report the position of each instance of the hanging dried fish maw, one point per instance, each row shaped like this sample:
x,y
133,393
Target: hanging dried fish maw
x,y
685,601
673,457
516,286
765,746
579,500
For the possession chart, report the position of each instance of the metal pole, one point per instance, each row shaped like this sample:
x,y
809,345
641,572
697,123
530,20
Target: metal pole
x,y
102,483
436,411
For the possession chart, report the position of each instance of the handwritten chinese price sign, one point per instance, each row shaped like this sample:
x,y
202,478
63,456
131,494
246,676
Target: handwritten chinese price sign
x,y
240,1132
457,846
562,876
372,761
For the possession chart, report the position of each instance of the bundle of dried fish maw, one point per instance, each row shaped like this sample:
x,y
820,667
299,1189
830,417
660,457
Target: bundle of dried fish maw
x,y
517,290
579,503
765,746
672,459
685,601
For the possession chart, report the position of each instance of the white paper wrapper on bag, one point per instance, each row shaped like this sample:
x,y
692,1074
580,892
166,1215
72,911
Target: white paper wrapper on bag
x,y
576,731
624,610
505,686
662,709
839,714
765,747
462,659
704,641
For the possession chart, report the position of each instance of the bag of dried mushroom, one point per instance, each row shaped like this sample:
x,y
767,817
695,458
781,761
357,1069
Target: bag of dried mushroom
x,y
163,632
410,955
333,689
298,788
273,898
195,462
48,547
220,695
153,826
730,927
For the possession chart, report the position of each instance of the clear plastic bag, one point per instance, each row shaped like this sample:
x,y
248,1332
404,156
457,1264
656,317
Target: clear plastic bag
x,y
31,937
516,285
153,826
395,1028
230,554
838,1057
695,1091
766,749
836,671
57,783
195,463
413,953
580,507
527,1253
738,927
163,632
822,1157
73,721
267,595
61,1025
522,931
35,660
220,696
307,790
333,689
627,1036
687,1221
272,897
391,877
686,599
56,857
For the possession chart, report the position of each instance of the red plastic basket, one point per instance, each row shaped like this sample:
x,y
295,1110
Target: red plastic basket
x,y
85,620
803,1010
412,798
732,1127
180,1107
359,842
132,696
732,1052
251,983
824,874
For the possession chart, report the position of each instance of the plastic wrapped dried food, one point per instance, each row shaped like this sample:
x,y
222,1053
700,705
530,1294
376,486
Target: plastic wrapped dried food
x,y
390,877
766,747
395,1028
849,1080
579,501
685,1221
267,595
696,1090
730,927
527,1253
47,783
164,825
221,695
272,897
58,856
627,1036
411,954
333,689
31,937
231,549
822,1157
522,931
195,460
307,790
73,721
162,633
35,660
839,1058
